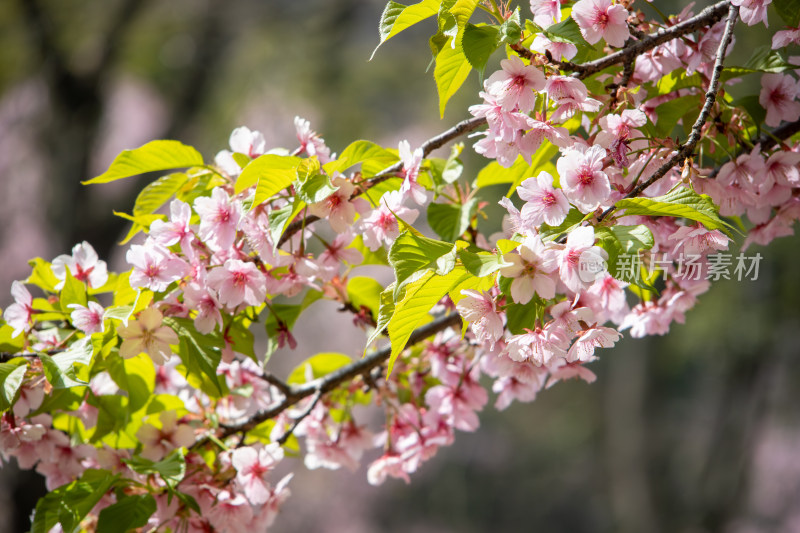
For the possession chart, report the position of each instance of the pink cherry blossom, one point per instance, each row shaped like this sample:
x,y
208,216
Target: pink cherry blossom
x,y
546,12
558,50
599,19
207,306
785,38
381,226
219,218
238,282
515,85
231,513
177,230
146,334
19,314
154,266
561,370
503,124
697,240
88,319
537,132
539,346
753,11
478,308
337,208
543,202
580,241
777,96
595,337
617,134
311,143
531,270
83,264
458,404
411,163
158,442
247,142
582,177
252,464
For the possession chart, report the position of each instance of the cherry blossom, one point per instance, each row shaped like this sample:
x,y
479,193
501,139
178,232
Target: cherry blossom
x,y
543,202
515,85
478,308
83,264
582,178
252,464
381,226
219,218
238,282
89,318
600,19
546,12
146,334
19,314
154,266
778,93
157,442
752,11
531,271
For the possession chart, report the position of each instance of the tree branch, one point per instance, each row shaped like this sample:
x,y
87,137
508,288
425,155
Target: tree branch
x,y
707,17
694,137
330,381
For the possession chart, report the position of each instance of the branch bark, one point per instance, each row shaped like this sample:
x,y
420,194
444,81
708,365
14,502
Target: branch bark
x,y
687,149
329,382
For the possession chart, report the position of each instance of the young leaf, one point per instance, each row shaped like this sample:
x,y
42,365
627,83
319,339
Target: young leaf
x,y
156,193
365,291
11,376
451,221
153,156
482,264
411,253
69,504
171,469
419,297
270,173
128,513
680,202
60,369
479,43
452,69
316,189
200,353
318,366
397,17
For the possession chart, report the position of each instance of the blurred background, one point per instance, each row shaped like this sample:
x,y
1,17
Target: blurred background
x,y
696,431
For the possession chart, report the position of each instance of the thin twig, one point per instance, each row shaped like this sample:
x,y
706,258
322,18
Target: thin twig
x,y
296,422
278,383
330,381
688,147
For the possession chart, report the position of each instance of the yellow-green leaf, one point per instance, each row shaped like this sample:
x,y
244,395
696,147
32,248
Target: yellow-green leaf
x,y
153,156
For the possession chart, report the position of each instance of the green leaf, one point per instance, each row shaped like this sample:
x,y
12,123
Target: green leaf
x,y
482,264
479,43
365,291
128,513
61,370
366,151
677,80
451,221
316,189
135,376
510,30
452,69
378,257
270,173
789,11
158,192
385,313
153,156
447,28
200,353
70,503
7,342
411,253
566,31
765,59
397,17
680,202
551,233
670,112
172,468
42,275
318,366
494,173
113,415
279,219
634,238
11,376
73,292
520,317
462,11
418,299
